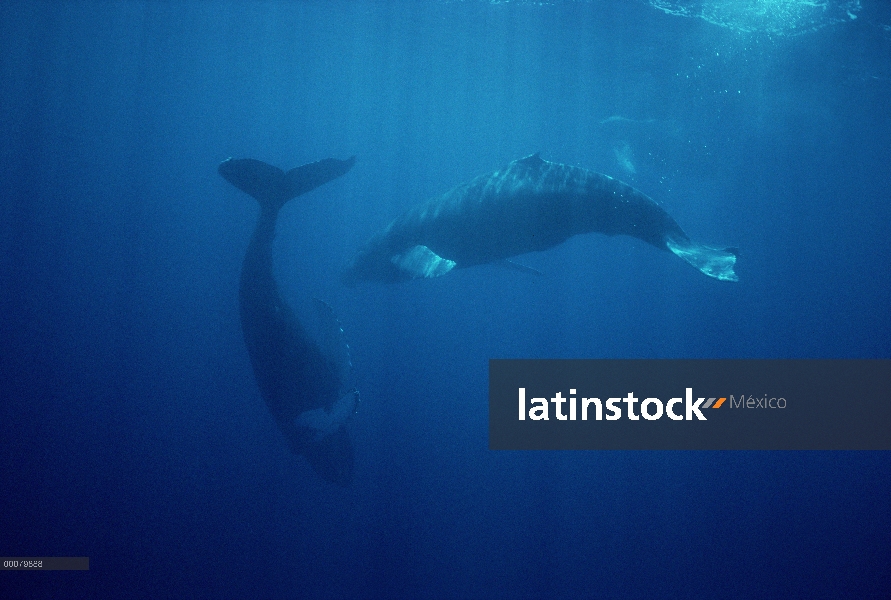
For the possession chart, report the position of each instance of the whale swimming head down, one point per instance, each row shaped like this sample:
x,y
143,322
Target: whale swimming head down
x,y
305,384
531,205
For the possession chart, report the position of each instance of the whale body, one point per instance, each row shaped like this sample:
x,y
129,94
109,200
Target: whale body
x,y
531,205
305,388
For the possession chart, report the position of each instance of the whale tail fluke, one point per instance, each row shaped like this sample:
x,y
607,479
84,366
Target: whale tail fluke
x,y
711,261
273,187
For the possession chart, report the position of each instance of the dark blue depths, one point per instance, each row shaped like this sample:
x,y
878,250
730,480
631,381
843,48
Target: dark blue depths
x,y
131,428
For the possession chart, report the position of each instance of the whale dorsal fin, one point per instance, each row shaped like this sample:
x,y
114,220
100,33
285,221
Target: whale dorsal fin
x,y
533,163
532,159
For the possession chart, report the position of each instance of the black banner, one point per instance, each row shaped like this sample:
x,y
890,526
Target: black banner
x,y
690,404
44,563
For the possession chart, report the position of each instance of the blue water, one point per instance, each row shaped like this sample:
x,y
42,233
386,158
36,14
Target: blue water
x,y
131,428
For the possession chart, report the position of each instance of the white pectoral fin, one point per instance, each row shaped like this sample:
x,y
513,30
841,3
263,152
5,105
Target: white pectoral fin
x,y
711,261
326,422
421,261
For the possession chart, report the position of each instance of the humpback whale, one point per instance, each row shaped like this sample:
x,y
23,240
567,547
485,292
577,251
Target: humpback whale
x,y
305,388
531,205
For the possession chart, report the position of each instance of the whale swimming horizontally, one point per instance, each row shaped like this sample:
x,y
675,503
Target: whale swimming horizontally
x,y
305,388
531,205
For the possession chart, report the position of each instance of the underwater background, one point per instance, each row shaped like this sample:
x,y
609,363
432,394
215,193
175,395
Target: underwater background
x,y
132,430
